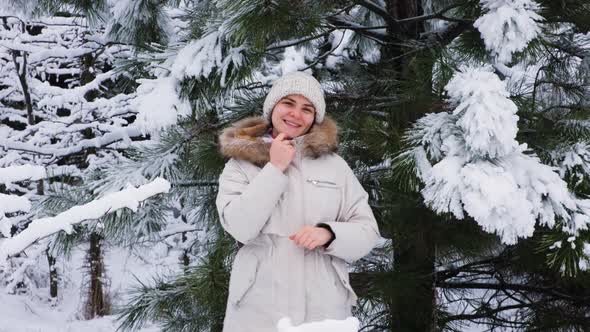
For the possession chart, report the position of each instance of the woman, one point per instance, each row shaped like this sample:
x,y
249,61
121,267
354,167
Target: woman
x,y
296,207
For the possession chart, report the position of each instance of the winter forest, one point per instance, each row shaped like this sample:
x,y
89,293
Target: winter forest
x,y
466,121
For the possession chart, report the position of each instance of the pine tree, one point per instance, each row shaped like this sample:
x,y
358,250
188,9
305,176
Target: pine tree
x,y
385,65
404,79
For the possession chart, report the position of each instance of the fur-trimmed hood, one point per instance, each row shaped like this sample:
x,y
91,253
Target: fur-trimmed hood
x,y
244,140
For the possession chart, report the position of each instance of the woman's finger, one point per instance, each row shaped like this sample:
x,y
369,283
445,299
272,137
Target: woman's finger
x,y
303,239
314,245
280,137
297,236
307,244
288,143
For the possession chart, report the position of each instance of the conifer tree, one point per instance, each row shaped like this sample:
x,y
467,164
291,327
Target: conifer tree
x,y
385,64
466,121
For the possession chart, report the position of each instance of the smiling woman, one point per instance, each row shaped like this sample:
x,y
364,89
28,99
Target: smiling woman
x,y
296,207
293,115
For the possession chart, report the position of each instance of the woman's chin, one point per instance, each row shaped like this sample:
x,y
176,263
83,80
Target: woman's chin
x,y
289,133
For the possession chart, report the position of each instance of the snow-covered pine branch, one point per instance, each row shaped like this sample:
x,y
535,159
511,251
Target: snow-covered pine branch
x,y
479,169
41,228
508,26
22,173
159,103
116,135
66,100
11,203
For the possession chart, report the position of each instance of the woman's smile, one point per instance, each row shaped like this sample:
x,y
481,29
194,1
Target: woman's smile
x,y
293,116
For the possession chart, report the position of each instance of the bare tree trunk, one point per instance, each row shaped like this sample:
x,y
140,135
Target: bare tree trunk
x,y
96,304
53,287
185,257
21,71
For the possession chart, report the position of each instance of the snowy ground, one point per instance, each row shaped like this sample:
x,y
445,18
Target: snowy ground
x,y
35,312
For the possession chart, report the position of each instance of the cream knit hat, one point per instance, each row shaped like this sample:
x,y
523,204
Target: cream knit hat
x,y
296,83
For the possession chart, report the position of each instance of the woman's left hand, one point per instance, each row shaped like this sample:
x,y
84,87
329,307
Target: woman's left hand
x,y
311,237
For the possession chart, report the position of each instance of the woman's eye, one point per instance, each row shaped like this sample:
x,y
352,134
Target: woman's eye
x,y
307,110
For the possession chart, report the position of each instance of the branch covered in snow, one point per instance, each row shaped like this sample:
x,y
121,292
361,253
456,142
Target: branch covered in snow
x,y
11,203
480,169
159,103
22,173
40,228
116,135
508,26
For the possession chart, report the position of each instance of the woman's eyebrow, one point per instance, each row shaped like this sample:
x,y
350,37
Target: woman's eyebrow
x,y
293,101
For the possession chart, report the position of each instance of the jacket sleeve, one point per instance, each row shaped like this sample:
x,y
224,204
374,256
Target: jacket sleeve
x,y
244,207
357,234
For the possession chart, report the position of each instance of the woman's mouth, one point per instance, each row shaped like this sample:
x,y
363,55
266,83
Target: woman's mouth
x,y
291,124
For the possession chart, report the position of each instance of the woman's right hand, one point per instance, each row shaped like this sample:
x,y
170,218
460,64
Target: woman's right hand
x,y
282,152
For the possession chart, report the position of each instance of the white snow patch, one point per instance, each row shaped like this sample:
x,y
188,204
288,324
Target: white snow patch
x,y
508,26
350,324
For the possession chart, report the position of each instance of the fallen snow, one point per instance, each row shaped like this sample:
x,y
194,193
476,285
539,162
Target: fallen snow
x,y
350,324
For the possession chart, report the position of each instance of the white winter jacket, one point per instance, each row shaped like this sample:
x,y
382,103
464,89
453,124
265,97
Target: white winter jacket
x,y
260,206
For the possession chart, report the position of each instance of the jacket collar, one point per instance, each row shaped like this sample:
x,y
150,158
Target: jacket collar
x,y
245,140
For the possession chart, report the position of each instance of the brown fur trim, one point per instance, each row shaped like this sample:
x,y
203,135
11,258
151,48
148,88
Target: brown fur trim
x,y
322,139
243,140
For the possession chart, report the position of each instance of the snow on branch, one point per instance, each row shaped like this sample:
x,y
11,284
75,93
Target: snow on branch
x,y
487,116
40,228
508,26
58,150
480,169
350,324
22,173
11,203
159,103
58,97
38,54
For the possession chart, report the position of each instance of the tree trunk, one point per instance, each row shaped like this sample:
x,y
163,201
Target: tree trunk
x,y
413,304
96,304
52,275
185,257
21,70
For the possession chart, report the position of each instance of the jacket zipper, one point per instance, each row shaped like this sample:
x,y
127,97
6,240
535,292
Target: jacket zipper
x,y
316,182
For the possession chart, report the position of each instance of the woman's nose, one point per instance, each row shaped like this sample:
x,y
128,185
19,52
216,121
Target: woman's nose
x,y
296,112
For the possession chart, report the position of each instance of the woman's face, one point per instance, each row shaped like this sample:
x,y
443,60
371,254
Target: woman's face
x,y
293,115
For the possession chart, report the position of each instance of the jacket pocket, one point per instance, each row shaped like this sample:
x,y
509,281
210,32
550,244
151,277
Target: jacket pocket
x,y
243,275
324,200
342,272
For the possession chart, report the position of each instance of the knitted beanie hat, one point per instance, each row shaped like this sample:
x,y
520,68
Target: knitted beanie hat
x,y
296,83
